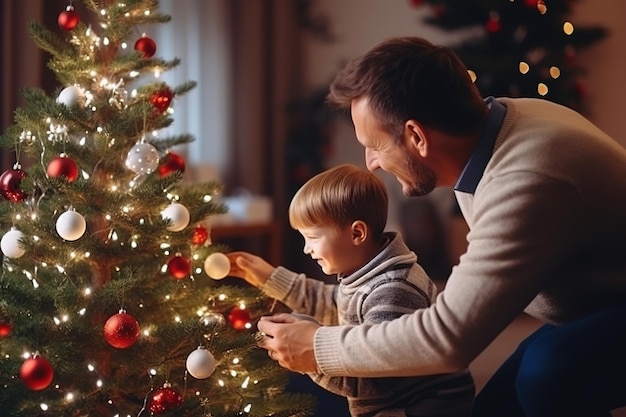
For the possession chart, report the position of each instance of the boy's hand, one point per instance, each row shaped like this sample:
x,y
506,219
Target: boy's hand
x,y
254,269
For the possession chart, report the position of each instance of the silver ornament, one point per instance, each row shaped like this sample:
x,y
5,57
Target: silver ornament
x,y
142,158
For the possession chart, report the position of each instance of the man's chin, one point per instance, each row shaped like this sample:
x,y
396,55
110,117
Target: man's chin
x,y
413,192
409,191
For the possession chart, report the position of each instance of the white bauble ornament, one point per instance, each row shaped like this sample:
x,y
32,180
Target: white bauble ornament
x,y
178,215
71,225
142,158
200,363
10,244
217,265
70,96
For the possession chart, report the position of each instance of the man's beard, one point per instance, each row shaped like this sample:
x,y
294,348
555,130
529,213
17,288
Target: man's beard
x,y
424,180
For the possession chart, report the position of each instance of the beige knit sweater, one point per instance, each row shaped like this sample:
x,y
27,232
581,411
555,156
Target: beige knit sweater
x,y
547,236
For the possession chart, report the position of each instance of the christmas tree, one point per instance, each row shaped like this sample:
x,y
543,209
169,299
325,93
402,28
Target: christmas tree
x,y
524,48
111,302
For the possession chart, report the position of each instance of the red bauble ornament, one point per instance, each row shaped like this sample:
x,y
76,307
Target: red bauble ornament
x,y
531,3
5,329
36,373
121,330
415,3
171,162
179,267
162,99
68,18
200,235
63,166
165,399
493,25
10,182
239,318
146,46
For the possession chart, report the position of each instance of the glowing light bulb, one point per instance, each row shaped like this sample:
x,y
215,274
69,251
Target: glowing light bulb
x,y
555,72
568,28
542,89
472,75
524,67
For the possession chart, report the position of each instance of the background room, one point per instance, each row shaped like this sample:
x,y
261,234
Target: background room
x,y
259,119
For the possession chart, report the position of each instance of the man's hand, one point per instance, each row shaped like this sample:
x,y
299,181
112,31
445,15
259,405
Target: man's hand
x,y
289,341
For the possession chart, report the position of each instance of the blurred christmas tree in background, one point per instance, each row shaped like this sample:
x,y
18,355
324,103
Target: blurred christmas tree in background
x,y
106,308
526,48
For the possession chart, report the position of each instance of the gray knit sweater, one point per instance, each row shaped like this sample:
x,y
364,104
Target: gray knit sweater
x,y
390,285
547,218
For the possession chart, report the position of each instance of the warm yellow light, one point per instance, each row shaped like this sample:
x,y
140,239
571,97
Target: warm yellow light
x,y
568,28
555,72
524,67
472,75
542,89
541,7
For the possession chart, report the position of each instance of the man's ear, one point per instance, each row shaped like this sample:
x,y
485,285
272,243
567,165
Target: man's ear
x,y
416,137
359,232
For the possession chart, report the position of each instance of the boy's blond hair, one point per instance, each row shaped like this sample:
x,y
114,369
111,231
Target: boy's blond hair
x,y
338,197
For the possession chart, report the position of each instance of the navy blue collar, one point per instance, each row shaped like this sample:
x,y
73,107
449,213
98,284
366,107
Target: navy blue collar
x,y
475,167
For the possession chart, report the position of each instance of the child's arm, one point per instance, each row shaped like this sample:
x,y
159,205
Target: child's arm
x,y
300,293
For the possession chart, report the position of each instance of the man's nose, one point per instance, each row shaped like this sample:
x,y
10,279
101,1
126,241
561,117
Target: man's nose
x,y
371,161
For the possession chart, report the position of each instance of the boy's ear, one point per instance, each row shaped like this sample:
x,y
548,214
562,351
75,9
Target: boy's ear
x,y
359,232
416,136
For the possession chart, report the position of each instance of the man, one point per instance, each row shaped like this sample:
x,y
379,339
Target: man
x,y
544,194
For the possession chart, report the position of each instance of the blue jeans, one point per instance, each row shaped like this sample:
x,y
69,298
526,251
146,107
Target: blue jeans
x,y
574,370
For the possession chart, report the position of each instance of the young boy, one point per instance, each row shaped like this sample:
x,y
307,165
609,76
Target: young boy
x,y
342,213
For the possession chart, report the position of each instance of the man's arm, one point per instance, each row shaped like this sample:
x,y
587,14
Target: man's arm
x,y
516,241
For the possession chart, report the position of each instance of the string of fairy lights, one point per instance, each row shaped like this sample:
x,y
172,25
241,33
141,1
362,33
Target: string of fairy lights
x,y
143,159
524,67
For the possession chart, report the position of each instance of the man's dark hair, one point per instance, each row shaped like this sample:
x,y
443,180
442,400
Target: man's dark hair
x,y
410,78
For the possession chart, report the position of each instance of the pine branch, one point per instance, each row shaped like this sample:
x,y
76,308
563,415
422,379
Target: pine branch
x,y
46,39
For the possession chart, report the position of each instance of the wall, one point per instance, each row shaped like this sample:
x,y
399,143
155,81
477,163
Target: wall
x,y
606,64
